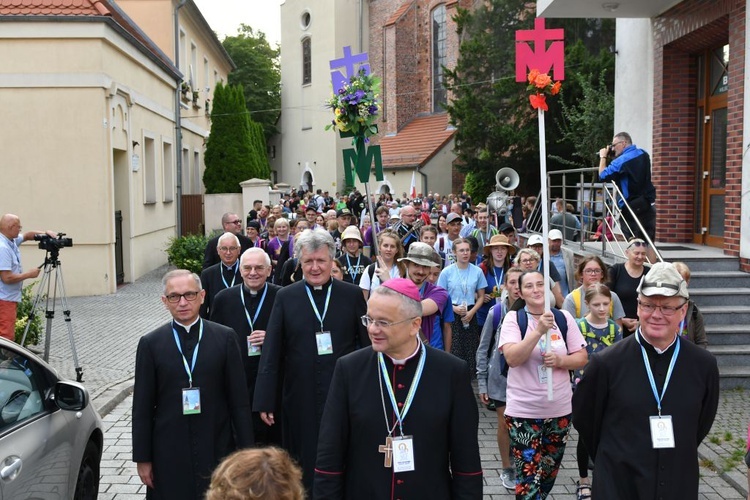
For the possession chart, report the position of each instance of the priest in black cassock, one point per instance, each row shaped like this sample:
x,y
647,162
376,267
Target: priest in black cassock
x,y
223,275
401,418
190,404
246,308
231,223
645,403
313,323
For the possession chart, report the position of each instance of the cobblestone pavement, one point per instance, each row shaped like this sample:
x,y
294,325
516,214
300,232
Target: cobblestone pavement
x,y
107,328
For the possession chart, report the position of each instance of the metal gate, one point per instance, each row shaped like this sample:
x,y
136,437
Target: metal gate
x,y
119,267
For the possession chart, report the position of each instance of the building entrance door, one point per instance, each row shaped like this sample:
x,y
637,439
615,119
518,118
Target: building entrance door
x,y
711,146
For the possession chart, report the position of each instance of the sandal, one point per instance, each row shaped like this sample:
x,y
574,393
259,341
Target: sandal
x,y
583,491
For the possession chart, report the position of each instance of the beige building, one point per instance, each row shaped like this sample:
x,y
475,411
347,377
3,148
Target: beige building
x,y
408,42
89,131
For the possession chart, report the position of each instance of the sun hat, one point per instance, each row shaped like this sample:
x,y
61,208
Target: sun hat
x,y
351,233
497,241
419,253
663,279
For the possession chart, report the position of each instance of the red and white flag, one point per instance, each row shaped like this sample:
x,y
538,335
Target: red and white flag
x,y
413,190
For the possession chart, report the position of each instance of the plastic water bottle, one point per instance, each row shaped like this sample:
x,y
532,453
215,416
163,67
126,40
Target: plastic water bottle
x,y
463,322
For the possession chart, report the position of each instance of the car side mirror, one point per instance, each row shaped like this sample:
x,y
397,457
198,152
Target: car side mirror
x,y
71,396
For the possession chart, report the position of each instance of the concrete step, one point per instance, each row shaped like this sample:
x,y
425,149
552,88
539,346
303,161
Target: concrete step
x,y
713,264
720,296
726,315
733,377
712,279
731,355
733,334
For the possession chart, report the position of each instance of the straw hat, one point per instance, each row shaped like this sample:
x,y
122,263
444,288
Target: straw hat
x,y
499,240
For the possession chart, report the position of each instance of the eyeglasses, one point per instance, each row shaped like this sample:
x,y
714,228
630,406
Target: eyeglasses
x,y
528,261
616,143
228,249
379,323
174,298
592,271
665,310
237,221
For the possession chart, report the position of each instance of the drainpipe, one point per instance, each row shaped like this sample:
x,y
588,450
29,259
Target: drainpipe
x,y
361,20
178,119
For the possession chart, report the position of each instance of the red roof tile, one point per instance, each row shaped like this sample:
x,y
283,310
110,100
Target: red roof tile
x,y
417,142
399,12
53,8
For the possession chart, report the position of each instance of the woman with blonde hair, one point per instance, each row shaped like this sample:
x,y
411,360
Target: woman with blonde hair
x,y
387,266
257,474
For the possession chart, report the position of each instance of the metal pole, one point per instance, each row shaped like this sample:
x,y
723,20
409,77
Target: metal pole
x,y
545,237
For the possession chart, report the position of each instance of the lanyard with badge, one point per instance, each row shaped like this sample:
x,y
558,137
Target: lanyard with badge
x,y
399,450
191,396
353,271
253,350
662,432
234,273
322,337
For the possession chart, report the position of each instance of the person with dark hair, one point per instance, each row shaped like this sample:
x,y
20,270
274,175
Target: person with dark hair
x,y
257,474
401,420
304,338
644,405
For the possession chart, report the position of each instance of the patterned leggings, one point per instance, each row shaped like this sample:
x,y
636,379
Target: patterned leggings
x,y
537,447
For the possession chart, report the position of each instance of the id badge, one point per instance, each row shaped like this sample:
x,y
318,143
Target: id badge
x,y
323,340
252,350
191,401
403,454
662,433
542,372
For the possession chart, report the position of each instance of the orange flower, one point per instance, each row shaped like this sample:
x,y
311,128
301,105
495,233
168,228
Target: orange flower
x,y
538,101
542,80
532,75
555,88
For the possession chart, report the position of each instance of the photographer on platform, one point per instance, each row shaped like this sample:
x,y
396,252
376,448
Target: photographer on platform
x,y
630,168
11,272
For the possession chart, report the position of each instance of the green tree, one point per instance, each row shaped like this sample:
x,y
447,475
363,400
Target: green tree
x,y
259,74
496,126
263,167
230,155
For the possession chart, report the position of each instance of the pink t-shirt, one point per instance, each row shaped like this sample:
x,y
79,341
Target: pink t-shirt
x,y
526,394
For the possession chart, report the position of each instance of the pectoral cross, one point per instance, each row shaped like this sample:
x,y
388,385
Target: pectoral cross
x,y
387,448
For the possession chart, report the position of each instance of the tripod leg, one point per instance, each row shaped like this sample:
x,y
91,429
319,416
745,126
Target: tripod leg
x,y
69,323
49,314
35,303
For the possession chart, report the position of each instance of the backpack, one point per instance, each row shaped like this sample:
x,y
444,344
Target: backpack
x,y
577,301
608,340
523,323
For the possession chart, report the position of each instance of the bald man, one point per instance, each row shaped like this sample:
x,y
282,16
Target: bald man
x,y
11,272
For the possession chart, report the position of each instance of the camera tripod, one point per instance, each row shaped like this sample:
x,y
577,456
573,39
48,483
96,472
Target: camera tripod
x,y
52,262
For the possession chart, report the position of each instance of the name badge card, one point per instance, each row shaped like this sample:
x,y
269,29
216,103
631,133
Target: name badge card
x,y
662,434
252,350
323,340
542,372
191,401
403,454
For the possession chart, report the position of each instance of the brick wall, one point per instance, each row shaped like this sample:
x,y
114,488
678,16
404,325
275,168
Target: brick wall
x,y
691,27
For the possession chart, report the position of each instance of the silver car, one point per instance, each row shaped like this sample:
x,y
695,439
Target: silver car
x,y
50,435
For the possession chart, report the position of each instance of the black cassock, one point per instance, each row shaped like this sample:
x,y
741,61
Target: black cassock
x,y
211,254
212,282
228,310
442,420
611,408
290,357
185,449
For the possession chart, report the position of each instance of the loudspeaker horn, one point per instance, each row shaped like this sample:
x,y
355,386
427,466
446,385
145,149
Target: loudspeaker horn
x,y
507,179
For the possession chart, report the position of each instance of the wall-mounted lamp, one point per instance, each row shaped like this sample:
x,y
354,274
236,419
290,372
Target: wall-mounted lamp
x,y
610,6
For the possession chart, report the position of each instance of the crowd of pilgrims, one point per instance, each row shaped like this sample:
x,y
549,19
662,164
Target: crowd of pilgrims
x,y
493,292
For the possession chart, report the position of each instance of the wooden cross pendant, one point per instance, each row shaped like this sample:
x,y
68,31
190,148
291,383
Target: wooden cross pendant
x,y
387,448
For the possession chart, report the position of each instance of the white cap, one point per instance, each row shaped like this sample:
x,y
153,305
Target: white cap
x,y
535,239
555,234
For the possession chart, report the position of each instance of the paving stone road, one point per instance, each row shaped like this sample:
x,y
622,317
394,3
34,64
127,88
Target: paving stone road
x,y
107,329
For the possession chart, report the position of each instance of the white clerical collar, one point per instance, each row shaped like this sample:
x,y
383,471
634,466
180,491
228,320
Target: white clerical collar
x,y
188,327
658,351
252,292
403,361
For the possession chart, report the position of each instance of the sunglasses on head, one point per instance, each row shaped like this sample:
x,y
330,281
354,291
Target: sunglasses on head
x,y
637,243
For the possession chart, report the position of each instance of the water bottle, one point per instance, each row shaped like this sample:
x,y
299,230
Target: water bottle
x,y
466,309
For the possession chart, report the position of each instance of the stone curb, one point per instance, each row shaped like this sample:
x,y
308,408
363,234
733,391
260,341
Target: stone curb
x,y
704,453
107,398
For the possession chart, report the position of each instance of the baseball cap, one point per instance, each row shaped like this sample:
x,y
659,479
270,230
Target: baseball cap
x,y
506,227
343,212
663,279
453,216
535,239
254,224
419,253
555,234
311,208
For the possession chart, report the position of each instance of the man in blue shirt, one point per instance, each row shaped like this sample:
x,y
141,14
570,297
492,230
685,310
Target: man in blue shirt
x,y
11,272
631,171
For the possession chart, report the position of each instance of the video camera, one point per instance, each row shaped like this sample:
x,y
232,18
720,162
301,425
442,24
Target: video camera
x,y
48,243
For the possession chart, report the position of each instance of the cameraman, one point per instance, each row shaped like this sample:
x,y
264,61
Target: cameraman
x,y
11,273
631,170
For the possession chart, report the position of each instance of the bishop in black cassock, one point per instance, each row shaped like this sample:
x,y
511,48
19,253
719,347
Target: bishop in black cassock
x,y
442,419
290,355
182,450
246,309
